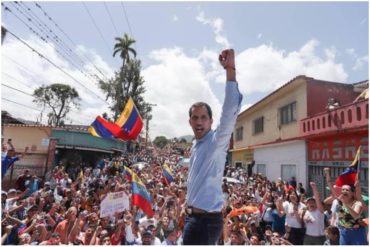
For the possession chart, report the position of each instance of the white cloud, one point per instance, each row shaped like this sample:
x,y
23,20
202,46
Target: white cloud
x,y
217,27
40,72
174,83
245,107
265,68
259,36
175,18
359,61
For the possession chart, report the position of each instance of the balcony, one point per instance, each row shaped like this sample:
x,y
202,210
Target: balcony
x,y
349,116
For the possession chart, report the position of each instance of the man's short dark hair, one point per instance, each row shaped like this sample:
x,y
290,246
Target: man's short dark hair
x,y
200,104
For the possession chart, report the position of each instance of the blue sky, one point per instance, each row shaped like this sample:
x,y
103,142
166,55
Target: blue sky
x,y
178,44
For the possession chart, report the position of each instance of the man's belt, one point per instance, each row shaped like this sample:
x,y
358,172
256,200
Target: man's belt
x,y
197,211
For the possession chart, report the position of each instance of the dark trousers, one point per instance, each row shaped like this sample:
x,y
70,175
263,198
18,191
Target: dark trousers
x,y
202,229
296,236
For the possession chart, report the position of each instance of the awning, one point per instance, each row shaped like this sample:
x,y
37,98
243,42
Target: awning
x,y
85,148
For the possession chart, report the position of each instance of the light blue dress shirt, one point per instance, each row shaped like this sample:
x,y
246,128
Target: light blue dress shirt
x,y
208,156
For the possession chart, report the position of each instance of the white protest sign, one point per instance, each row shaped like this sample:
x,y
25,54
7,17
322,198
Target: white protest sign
x,y
114,202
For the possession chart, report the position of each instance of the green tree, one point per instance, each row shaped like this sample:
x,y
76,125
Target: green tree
x,y
114,91
160,141
124,49
127,82
60,98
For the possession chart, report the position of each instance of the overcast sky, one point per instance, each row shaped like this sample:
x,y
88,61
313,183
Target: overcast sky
x,y
178,44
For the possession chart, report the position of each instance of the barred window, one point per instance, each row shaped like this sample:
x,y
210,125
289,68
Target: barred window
x,y
258,125
239,133
288,113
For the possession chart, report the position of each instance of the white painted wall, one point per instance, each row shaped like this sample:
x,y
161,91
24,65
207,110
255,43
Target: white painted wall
x,y
275,155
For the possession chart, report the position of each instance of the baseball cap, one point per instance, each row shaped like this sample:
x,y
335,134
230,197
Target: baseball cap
x,y
310,198
147,233
12,191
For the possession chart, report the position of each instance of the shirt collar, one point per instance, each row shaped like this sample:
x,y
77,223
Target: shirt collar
x,y
205,137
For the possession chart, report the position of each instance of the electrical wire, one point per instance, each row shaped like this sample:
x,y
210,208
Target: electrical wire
x,y
110,17
20,104
2,84
30,16
21,91
59,68
96,26
128,22
67,36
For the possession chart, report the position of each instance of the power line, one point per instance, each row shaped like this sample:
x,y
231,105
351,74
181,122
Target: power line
x,y
24,84
128,22
16,89
65,34
21,66
19,104
55,39
42,56
110,17
78,112
96,26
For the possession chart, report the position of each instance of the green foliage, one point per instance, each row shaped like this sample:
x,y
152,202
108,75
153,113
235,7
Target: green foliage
x,y
160,141
127,82
123,47
60,98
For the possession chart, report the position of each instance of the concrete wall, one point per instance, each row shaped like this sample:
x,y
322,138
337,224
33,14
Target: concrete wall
x,y
293,153
36,138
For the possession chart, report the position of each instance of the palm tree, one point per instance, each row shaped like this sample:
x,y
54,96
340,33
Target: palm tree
x,y
123,47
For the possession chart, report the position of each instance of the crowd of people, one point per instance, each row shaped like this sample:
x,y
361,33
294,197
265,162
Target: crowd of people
x,y
64,210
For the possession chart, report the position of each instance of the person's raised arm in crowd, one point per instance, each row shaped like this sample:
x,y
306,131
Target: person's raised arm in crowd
x,y
328,181
316,195
358,195
129,224
95,236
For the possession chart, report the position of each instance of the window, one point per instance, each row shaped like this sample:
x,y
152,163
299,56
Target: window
x,y
261,168
238,164
239,134
288,113
287,172
258,125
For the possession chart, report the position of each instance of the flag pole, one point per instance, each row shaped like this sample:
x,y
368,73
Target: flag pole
x,y
358,162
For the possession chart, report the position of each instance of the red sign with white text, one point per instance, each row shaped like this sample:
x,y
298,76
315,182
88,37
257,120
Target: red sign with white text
x,y
338,148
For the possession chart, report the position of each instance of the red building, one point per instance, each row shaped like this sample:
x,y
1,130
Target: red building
x,y
334,135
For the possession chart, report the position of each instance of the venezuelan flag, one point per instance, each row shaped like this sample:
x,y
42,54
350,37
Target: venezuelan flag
x,y
105,129
349,175
140,196
128,173
168,174
130,120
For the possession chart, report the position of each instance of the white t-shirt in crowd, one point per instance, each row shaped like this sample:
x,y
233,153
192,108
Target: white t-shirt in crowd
x,y
291,219
315,223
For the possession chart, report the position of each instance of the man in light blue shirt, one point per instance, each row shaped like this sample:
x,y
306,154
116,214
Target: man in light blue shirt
x,y
204,222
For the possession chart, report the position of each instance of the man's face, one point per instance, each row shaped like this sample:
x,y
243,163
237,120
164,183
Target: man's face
x,y
147,239
200,121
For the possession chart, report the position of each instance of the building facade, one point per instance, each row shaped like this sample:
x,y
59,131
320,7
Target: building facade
x,y
270,132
